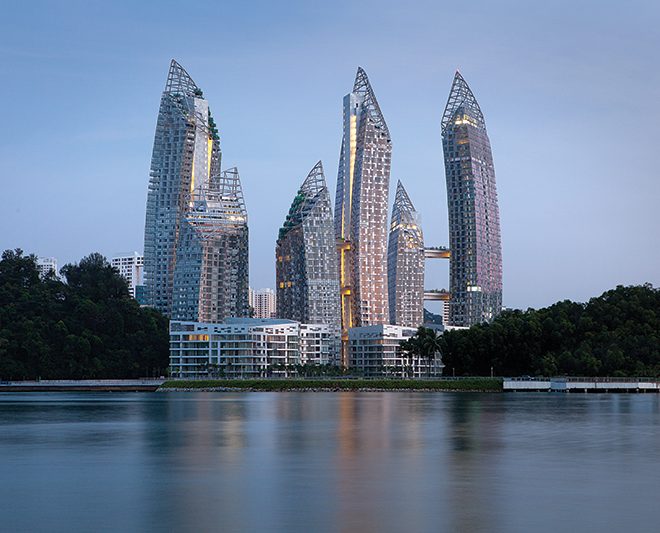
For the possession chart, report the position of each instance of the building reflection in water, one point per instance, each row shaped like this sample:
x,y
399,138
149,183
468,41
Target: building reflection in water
x,y
329,461
356,461
471,467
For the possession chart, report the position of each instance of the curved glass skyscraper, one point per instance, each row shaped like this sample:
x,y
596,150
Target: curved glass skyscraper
x,y
405,263
306,257
186,154
474,220
361,208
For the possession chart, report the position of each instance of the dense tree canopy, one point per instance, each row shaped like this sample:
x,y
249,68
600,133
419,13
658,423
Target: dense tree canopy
x,y
615,334
84,326
87,326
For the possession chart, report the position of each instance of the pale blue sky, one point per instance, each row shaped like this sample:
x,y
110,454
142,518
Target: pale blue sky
x,y
570,92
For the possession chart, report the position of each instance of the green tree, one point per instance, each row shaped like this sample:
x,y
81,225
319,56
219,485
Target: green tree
x,y
424,344
615,334
82,326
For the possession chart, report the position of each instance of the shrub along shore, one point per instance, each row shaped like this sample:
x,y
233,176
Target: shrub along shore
x,y
464,384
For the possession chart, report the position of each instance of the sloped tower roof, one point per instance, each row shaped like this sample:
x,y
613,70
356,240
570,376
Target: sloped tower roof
x,y
230,195
314,182
180,88
363,88
461,99
404,214
219,206
311,191
179,81
403,211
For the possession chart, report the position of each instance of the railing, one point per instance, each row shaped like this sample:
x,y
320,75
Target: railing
x,y
577,379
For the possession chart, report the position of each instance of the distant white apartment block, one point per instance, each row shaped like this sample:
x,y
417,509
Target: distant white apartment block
x,y
375,351
247,347
46,265
263,302
131,268
445,313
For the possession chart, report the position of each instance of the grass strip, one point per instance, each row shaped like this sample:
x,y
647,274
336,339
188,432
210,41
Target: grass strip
x,y
469,384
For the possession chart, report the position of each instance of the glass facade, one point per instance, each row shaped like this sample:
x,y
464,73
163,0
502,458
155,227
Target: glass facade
x,y
361,208
405,263
307,277
474,222
186,154
212,270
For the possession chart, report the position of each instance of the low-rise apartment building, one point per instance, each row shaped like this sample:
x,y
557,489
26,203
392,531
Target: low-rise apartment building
x,y
375,351
247,347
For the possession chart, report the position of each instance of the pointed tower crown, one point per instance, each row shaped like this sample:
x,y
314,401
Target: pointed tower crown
x,y
364,89
230,194
179,81
461,100
403,209
219,206
314,182
313,190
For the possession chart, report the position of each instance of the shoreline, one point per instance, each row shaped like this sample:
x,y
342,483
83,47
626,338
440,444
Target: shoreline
x,y
315,389
334,385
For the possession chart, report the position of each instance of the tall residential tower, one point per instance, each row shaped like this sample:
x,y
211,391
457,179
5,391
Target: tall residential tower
x,y
306,257
361,208
474,221
405,263
186,154
212,268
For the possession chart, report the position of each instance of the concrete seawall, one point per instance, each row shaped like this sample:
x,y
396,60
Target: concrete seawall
x,y
83,385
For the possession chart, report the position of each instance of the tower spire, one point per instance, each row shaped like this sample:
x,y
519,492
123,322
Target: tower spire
x,y
315,180
364,89
179,81
461,99
403,207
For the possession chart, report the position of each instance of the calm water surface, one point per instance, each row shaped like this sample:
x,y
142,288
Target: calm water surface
x,y
348,462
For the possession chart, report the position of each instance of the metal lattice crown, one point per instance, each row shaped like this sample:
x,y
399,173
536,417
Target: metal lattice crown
x,y
219,206
403,211
179,81
363,88
461,100
313,190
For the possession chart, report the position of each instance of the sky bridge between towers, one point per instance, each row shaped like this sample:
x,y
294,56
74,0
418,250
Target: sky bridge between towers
x,y
437,295
437,252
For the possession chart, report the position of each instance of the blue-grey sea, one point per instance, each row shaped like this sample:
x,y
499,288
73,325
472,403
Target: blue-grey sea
x,y
336,462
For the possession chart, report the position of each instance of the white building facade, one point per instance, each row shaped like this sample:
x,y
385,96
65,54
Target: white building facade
x,y
263,303
247,347
319,344
375,351
131,268
46,265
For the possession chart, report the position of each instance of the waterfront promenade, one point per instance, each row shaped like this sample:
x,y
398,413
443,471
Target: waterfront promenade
x,y
472,384
83,385
581,384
